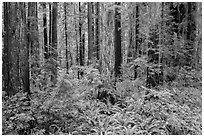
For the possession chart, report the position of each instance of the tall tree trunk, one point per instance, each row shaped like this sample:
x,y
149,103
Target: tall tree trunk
x,y
66,36
90,33
11,45
24,51
54,42
76,38
161,42
198,41
6,68
50,27
81,40
45,37
191,35
97,31
102,38
33,39
130,34
137,48
15,49
118,54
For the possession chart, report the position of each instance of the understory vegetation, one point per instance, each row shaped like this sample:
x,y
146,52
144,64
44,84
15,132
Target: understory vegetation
x,y
102,68
95,105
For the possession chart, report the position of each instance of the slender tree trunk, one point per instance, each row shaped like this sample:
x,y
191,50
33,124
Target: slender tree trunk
x,y
90,33
136,52
77,45
130,34
118,54
81,40
161,59
97,31
46,46
54,42
102,38
50,27
66,36
160,64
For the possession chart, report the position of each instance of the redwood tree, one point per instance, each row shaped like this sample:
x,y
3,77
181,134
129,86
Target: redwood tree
x,y
9,79
97,31
117,42
90,32
66,36
15,49
54,42
137,51
33,40
81,39
45,35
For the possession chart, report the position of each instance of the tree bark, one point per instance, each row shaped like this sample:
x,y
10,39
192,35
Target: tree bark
x,y
118,54
66,36
54,42
161,42
24,52
130,34
136,51
33,39
46,46
50,27
81,40
97,31
15,49
90,33
191,35
6,68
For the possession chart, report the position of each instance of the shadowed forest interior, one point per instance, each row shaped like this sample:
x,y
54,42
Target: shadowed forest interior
x,y
102,68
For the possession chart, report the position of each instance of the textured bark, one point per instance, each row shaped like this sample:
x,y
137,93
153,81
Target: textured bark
x,y
33,39
15,49
45,34
50,25
97,31
191,33
6,68
76,33
12,36
54,27
76,24
118,54
90,32
81,40
66,36
54,42
198,41
24,52
161,42
137,48
130,33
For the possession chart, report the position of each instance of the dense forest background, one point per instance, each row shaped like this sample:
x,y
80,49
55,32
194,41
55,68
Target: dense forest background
x,y
113,68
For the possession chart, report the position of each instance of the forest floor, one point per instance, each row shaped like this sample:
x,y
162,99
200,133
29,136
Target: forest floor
x,y
93,105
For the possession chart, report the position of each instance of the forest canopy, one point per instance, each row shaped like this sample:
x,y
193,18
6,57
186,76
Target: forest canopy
x,y
102,68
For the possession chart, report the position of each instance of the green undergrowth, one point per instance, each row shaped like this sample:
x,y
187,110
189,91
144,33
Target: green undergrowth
x,y
95,105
